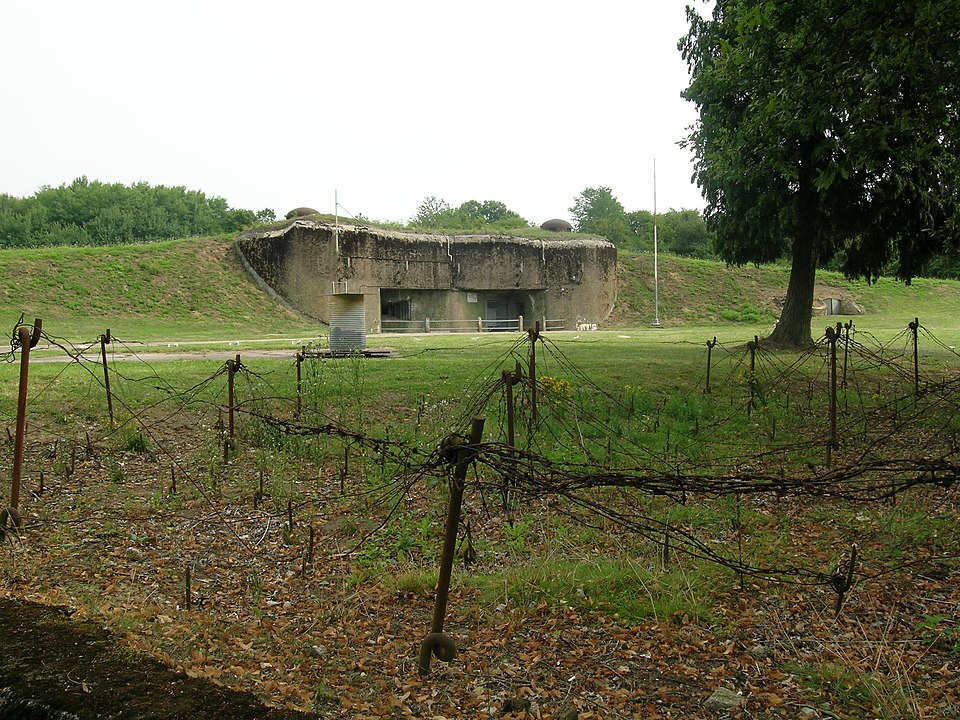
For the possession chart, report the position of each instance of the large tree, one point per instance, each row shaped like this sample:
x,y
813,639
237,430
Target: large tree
x,y
827,128
596,211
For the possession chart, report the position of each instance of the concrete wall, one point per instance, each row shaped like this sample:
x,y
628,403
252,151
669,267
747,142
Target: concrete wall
x,y
440,274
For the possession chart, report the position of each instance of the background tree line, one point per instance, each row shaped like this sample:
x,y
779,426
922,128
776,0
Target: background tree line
x,y
472,216
682,232
595,212
93,213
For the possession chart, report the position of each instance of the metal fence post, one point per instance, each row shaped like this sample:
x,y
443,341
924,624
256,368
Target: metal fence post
x,y
914,327
436,643
104,341
27,340
710,347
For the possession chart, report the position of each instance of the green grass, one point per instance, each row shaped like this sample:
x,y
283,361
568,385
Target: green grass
x,y
629,589
193,289
629,394
701,295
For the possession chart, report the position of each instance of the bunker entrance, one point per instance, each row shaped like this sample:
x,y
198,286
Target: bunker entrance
x,y
503,311
418,310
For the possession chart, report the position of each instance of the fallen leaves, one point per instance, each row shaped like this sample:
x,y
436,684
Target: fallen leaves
x,y
335,641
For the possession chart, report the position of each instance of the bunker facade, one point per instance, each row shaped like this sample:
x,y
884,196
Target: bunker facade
x,y
411,280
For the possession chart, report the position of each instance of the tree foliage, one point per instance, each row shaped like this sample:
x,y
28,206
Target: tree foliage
x,y
472,216
596,211
682,232
94,213
827,128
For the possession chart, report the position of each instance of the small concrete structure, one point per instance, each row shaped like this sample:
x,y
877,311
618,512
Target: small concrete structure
x,y
348,331
407,278
837,306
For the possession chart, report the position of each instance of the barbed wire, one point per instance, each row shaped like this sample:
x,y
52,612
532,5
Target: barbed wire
x,y
604,443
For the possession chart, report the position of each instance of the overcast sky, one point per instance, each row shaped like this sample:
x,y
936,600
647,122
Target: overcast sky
x,y
276,104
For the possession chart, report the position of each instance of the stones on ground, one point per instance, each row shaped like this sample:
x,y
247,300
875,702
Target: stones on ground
x,y
723,699
761,651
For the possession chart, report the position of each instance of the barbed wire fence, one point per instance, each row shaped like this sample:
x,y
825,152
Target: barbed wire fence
x,y
756,428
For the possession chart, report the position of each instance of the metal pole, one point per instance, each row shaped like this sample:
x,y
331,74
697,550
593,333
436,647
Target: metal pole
x,y
915,326
534,336
24,336
508,380
436,643
464,456
710,346
299,385
232,366
11,514
656,270
104,341
846,351
832,336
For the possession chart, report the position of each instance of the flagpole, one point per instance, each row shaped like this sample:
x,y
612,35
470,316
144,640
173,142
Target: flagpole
x,y
656,269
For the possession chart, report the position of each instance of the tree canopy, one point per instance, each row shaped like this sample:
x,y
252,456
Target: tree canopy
x,y
94,213
597,211
827,128
472,216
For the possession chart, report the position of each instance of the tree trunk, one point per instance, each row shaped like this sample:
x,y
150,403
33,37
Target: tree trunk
x,y
793,329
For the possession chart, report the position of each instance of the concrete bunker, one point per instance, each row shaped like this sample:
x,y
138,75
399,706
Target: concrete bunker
x,y
416,282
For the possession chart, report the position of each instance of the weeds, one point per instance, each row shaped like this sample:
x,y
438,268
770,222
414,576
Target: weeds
x,y
630,590
941,631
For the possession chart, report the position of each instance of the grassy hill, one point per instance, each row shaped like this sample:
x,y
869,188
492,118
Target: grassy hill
x,y
128,512
195,289
183,289
704,293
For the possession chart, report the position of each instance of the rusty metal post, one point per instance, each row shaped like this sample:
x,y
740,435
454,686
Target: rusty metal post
x,y
847,326
24,336
508,380
27,341
104,341
914,327
232,367
299,384
534,336
436,643
832,336
842,582
710,347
